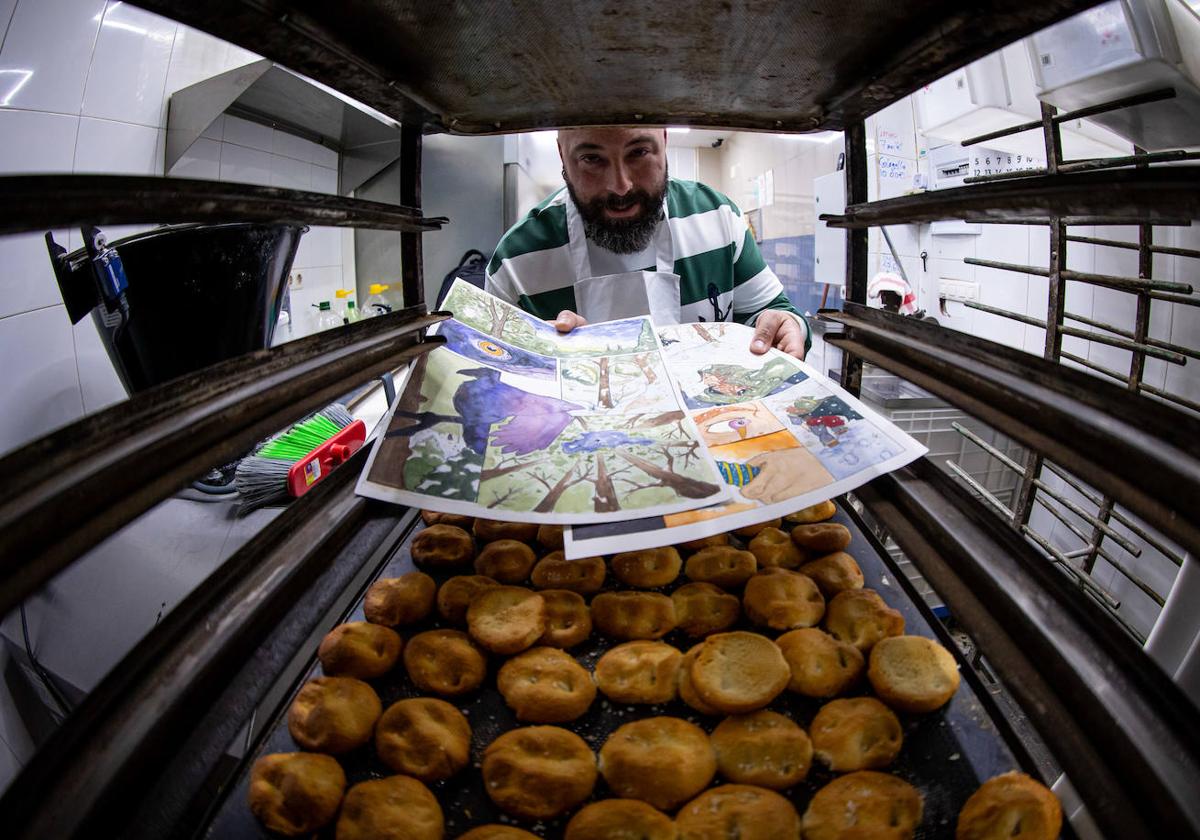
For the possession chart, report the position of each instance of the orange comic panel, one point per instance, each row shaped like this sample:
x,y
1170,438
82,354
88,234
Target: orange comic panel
x,y
689,517
732,423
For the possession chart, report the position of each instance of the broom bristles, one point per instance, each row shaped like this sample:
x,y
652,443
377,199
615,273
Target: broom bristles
x,y
261,478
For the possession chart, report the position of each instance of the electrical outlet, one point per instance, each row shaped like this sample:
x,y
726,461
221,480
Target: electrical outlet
x,y
957,289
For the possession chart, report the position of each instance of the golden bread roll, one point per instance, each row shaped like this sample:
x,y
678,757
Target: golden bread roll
x,y
506,619
394,808
748,531
490,530
813,513
454,596
865,801
739,672
568,618
359,649
746,812
783,600
823,538
703,608
508,561
458,520
423,737
444,662
442,547
633,615
395,602
773,548
687,692
703,542
550,536
554,571
614,819
639,672
648,568
498,832
860,617
660,760
723,565
821,665
834,573
762,748
1011,806
295,794
912,673
538,772
545,685
333,714
856,733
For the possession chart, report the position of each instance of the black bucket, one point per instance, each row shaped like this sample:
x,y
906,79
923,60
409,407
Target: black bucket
x,y
197,295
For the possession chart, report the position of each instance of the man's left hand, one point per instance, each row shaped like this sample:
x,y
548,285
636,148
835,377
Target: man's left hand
x,y
776,328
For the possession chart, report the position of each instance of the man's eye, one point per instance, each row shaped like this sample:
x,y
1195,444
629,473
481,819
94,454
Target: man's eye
x,y
639,153
590,160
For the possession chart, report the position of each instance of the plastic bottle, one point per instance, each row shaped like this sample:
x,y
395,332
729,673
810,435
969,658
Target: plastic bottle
x,y
377,302
352,314
339,302
326,317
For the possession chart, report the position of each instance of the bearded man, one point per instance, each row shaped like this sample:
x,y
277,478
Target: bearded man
x,y
625,239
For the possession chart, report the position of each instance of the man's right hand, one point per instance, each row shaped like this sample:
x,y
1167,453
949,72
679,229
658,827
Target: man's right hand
x,y
567,321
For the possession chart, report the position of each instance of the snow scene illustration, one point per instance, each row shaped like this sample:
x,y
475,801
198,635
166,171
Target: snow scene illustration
x,y
631,335
623,384
480,347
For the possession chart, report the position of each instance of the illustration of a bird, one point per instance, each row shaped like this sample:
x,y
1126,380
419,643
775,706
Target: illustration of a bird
x,y
608,439
483,401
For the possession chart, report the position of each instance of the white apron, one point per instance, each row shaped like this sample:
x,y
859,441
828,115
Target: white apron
x,y
628,294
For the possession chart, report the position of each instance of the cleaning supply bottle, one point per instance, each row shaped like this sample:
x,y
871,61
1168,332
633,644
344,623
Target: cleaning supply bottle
x,y
326,317
339,303
377,302
352,314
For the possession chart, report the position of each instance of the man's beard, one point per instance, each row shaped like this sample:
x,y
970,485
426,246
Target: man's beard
x,y
621,236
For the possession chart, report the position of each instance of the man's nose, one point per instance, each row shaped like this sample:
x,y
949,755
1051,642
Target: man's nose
x,y
619,180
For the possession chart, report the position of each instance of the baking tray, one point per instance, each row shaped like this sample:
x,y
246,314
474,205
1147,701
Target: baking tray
x,y
946,754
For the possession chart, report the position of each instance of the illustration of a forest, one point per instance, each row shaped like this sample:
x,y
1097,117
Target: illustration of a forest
x,y
496,318
628,384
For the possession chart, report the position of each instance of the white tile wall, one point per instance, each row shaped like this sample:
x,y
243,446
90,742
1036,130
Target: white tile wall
x,y
245,165
129,66
48,51
201,160
7,7
41,389
32,141
98,382
118,148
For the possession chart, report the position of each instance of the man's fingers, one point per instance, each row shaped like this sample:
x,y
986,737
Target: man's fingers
x,y
790,338
567,321
764,331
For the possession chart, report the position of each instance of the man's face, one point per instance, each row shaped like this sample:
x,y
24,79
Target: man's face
x,y
617,178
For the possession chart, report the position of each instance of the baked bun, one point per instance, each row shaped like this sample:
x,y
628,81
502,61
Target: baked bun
x,y
702,543
687,692
639,672
444,662
762,748
506,619
359,649
912,673
748,531
739,672
782,600
834,573
508,561
498,832
857,733
395,808
661,760
555,571
814,513
295,794
633,615
703,608
423,737
333,714
823,538
1010,807
443,547
723,565
568,619
860,617
395,602
746,812
458,520
866,801
648,568
773,548
545,685
538,772
454,596
821,665
614,819
550,536
490,530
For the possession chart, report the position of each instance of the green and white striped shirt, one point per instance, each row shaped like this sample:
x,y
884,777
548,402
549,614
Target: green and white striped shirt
x,y
715,257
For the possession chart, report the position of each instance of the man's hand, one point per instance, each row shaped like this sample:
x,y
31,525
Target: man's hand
x,y
568,320
774,328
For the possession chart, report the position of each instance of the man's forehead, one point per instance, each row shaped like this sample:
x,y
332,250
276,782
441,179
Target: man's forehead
x,y
608,137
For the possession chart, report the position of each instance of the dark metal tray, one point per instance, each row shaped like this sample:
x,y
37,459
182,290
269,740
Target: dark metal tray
x,y
946,754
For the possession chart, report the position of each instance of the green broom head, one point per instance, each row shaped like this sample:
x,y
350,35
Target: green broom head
x,y
261,478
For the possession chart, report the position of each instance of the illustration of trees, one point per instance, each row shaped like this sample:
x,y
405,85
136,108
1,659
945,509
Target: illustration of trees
x,y
604,397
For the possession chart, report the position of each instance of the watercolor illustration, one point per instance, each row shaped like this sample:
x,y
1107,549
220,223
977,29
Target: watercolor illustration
x,y
630,335
631,384
728,384
481,347
490,315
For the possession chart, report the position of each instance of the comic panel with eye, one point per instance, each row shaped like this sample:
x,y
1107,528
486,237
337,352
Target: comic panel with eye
x,y
730,424
493,351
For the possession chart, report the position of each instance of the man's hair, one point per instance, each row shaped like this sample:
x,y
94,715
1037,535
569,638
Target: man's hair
x,y
621,236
